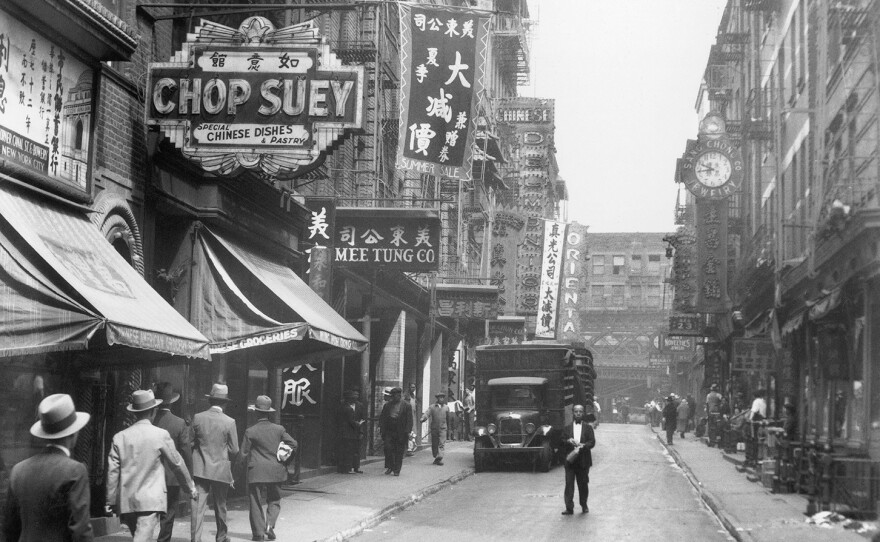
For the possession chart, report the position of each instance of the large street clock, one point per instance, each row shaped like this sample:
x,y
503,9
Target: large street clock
x,y
712,167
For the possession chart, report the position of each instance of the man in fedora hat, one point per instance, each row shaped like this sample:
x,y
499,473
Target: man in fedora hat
x,y
395,424
182,438
436,416
350,420
135,473
48,498
265,473
215,446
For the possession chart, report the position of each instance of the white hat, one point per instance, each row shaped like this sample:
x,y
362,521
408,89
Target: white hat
x,y
58,418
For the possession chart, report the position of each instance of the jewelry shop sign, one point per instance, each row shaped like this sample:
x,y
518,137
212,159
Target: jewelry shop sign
x,y
256,97
405,239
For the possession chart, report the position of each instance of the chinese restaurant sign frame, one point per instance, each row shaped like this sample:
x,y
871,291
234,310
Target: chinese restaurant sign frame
x,y
404,239
258,98
442,67
46,106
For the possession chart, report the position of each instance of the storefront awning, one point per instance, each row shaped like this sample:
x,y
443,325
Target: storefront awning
x,y
825,304
62,282
792,324
248,300
759,326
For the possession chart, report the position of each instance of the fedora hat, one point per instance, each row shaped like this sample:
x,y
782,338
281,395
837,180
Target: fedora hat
x,y
58,418
165,392
263,404
219,392
142,400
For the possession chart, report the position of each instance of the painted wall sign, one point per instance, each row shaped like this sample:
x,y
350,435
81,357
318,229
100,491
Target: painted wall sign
x,y
503,332
530,115
402,239
551,271
753,355
45,105
678,344
687,325
256,97
442,58
301,390
572,283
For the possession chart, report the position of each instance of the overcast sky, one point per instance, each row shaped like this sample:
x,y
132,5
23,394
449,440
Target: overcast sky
x,y
625,76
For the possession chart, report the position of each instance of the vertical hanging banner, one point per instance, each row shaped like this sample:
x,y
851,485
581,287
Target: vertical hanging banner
x,y
573,281
712,256
442,64
551,270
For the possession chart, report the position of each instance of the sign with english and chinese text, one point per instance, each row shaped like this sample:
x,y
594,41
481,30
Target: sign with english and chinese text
x,y
404,239
551,271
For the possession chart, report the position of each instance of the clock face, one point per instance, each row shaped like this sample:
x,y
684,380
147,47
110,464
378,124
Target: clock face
x,y
712,169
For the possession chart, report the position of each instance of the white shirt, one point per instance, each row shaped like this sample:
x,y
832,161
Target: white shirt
x,y
576,430
60,447
759,406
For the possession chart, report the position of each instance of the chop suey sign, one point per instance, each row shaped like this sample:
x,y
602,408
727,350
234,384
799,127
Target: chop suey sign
x,y
256,97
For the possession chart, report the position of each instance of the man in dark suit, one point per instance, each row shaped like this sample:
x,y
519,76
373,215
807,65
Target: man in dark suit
x,y
182,438
579,436
395,424
351,417
265,471
48,498
215,446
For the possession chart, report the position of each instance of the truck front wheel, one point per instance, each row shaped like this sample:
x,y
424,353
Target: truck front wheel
x,y
480,459
545,457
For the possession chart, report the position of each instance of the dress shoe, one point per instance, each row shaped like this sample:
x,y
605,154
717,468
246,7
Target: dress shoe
x,y
567,512
270,534
388,471
585,509
438,463
358,471
258,538
397,473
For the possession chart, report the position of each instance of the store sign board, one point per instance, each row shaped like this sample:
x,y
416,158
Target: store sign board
x,y
685,325
462,301
711,252
551,271
443,59
572,283
45,105
256,97
403,239
502,332
750,355
678,344
301,390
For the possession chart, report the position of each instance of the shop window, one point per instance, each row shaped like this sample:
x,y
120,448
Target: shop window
x,y
618,262
598,264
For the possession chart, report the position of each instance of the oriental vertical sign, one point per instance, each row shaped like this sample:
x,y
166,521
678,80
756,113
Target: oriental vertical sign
x,y
442,57
712,256
573,282
551,270
258,98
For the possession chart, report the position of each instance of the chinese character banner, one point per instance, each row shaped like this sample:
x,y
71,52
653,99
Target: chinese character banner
x,y
388,238
442,59
551,270
45,105
712,256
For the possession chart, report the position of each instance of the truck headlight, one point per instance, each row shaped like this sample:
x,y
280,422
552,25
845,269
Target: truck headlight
x,y
530,428
491,429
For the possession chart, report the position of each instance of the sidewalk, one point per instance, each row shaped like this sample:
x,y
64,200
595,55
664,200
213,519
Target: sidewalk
x,y
335,506
748,510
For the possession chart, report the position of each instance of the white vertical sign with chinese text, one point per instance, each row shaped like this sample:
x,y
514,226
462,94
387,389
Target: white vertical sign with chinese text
x,y
551,270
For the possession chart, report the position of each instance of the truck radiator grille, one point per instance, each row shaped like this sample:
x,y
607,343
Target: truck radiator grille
x,y
510,431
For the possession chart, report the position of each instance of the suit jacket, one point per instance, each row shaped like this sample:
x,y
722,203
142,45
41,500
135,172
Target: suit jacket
x,y
348,417
136,468
259,448
402,425
48,500
182,438
215,445
588,439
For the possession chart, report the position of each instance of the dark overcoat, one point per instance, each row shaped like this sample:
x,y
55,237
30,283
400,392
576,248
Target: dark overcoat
x,y
182,438
259,448
404,422
588,439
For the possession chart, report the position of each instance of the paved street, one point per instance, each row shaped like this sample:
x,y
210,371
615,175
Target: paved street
x,y
637,492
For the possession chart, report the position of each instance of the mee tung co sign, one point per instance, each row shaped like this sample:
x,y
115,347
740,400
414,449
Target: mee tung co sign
x,y
256,97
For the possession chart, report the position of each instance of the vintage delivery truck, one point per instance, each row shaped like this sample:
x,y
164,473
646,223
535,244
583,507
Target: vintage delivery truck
x,y
524,395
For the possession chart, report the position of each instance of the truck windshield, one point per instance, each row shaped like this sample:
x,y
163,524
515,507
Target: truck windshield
x,y
515,397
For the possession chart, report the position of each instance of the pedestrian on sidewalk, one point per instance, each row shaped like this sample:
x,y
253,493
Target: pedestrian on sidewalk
x,y
692,412
351,418
135,473
395,425
683,413
469,411
578,436
182,438
670,418
412,445
713,412
453,419
597,412
215,447
261,451
49,496
436,416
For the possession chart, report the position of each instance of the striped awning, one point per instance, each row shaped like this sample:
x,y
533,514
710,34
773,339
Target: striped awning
x,y
62,282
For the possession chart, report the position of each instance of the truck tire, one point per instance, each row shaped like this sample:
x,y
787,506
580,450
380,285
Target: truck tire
x,y
545,457
480,458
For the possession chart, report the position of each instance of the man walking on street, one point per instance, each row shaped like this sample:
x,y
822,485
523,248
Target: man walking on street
x,y
578,436
182,439
265,472
453,418
713,411
215,446
135,473
670,418
436,415
48,498
351,418
395,424
469,410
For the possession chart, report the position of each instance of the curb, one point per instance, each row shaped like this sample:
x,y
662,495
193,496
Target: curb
x,y
705,494
381,515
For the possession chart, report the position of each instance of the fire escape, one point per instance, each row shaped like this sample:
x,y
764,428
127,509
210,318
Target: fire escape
x,y
510,41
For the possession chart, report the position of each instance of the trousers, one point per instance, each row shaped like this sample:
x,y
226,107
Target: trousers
x,y
582,477
166,524
141,524
218,491
260,521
